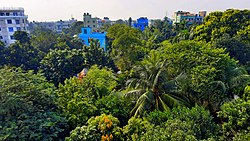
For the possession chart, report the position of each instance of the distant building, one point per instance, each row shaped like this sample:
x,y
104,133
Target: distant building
x,y
88,34
60,25
189,17
57,26
11,20
141,23
154,22
103,22
90,22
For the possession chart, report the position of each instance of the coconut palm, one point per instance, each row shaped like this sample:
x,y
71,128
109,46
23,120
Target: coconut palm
x,y
152,88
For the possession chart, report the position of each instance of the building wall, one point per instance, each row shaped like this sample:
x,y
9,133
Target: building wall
x,y
88,34
141,23
11,20
189,17
90,22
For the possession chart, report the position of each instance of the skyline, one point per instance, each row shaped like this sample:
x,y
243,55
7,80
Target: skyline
x,y
54,10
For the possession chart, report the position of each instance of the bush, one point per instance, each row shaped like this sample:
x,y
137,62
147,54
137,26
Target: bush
x,y
104,127
236,117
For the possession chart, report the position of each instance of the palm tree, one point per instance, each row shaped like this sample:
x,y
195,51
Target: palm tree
x,y
230,86
152,87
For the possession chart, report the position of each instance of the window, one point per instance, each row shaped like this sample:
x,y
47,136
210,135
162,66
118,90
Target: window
x,y
93,21
12,37
15,14
1,14
87,21
85,31
93,25
9,21
17,21
18,28
1,37
11,29
0,29
7,14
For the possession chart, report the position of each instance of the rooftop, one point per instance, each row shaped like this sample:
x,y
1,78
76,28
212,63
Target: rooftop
x,y
11,8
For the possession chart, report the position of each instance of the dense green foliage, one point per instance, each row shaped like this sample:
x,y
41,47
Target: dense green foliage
x,y
28,111
167,83
58,65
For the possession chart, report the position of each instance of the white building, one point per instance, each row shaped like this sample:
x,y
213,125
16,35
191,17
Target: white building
x,y
12,19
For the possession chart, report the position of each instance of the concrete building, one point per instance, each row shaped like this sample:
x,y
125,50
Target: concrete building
x,y
191,18
103,22
57,26
12,19
60,25
88,34
90,22
141,23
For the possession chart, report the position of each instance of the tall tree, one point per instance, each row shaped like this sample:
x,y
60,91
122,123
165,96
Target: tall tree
x,y
152,88
95,55
125,45
58,65
231,22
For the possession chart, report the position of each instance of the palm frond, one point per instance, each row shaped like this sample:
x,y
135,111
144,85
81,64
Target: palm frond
x,y
134,93
239,81
218,85
145,102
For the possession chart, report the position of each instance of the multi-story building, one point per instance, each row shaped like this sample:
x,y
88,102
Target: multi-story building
x,y
141,23
88,21
57,26
12,19
88,34
190,18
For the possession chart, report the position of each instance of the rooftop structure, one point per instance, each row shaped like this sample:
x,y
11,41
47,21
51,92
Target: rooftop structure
x,y
12,19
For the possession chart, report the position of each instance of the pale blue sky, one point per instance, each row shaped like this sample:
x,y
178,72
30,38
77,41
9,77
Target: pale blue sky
x,y
51,10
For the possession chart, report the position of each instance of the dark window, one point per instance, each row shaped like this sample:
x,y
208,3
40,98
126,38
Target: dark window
x,y
93,21
15,14
12,37
1,14
9,21
1,37
7,14
87,21
93,25
18,28
17,21
85,31
11,29
0,29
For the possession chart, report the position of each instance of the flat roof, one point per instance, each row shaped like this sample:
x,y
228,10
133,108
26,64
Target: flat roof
x,y
11,8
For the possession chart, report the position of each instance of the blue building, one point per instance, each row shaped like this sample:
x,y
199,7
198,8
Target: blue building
x,y
141,23
88,34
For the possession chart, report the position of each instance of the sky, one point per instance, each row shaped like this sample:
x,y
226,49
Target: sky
x,y
54,10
